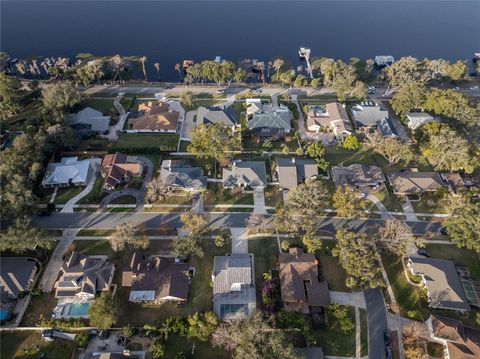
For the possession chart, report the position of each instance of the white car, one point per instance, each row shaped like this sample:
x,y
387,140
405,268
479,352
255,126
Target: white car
x,y
220,91
474,88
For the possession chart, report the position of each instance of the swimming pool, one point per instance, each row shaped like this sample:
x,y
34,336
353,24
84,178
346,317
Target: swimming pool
x,y
78,309
4,314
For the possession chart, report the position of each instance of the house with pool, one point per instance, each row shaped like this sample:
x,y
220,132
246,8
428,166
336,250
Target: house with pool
x,y
81,277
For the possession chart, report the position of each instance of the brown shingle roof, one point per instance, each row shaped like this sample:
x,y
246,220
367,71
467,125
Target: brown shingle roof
x,y
157,116
115,167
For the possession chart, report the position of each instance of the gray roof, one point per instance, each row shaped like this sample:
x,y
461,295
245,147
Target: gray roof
x,y
415,182
272,117
386,128
417,119
15,274
93,118
247,173
185,177
368,113
68,171
359,175
442,281
292,171
216,114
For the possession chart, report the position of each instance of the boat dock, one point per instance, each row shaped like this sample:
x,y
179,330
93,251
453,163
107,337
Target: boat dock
x,y
304,54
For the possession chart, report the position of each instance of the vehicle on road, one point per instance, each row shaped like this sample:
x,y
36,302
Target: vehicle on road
x,y
372,89
474,88
423,252
220,91
257,91
388,344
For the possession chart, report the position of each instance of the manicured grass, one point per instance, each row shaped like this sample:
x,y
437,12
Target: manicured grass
x,y
180,199
94,144
428,203
332,273
29,345
124,200
103,105
183,146
39,305
290,141
157,162
176,344
100,247
389,200
265,252
132,140
217,195
363,332
65,194
273,196
333,340
461,256
95,194
95,232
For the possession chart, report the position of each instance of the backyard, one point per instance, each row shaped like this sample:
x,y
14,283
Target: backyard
x,y
29,345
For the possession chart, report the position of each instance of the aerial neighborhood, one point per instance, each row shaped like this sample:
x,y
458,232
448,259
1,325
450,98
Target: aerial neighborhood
x,y
329,210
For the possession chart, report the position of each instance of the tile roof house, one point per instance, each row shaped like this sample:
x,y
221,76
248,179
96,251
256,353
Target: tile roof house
x,y
415,183
180,176
333,116
357,175
156,279
418,119
441,280
83,276
292,171
245,174
459,341
16,275
300,288
154,117
116,168
272,120
233,280
68,172
90,120
368,113
217,114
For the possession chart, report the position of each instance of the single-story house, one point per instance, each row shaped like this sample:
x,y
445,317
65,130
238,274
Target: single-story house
x,y
415,183
292,171
357,175
254,105
418,119
116,168
368,113
333,116
16,275
154,117
441,280
89,121
83,276
459,341
216,114
275,119
233,280
156,279
178,175
68,172
245,174
300,287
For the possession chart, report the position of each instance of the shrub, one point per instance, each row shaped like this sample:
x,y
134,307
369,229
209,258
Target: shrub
x,y
36,292
82,339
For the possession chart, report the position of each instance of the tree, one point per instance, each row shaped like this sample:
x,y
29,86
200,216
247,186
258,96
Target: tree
x,y
253,338
157,350
104,311
311,243
156,190
408,98
167,327
127,236
255,222
463,225
90,72
240,76
392,149
415,333
10,94
457,71
213,141
22,236
82,339
415,353
194,223
128,331
348,202
405,71
188,99
317,152
186,246
201,326
300,81
341,313
351,142
395,236
157,67
357,257
277,65
143,60
60,96
220,240
285,245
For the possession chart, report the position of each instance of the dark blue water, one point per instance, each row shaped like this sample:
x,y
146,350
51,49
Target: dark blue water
x,y
168,32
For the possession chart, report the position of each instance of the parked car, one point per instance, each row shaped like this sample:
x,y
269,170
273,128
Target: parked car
x,y
423,252
474,88
372,89
257,91
388,339
220,91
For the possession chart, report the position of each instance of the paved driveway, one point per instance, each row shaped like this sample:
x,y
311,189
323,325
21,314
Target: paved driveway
x,y
239,240
377,323
354,299
259,201
188,125
118,127
384,212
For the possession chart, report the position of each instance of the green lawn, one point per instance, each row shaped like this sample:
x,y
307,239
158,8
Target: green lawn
x,y
273,196
428,203
95,194
217,195
176,344
183,146
65,194
29,345
39,305
94,144
461,256
95,232
124,200
389,200
138,141
103,105
332,272
265,252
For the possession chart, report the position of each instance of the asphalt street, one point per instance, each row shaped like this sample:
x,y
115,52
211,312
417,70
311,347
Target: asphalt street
x,y
377,323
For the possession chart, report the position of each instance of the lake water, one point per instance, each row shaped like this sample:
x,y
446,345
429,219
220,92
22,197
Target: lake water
x,y
170,31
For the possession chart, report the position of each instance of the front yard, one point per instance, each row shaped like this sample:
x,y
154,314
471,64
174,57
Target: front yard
x,y
29,345
217,195
95,194
137,141
273,196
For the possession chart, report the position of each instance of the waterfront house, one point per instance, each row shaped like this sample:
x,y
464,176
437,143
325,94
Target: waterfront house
x,y
216,114
156,279
271,122
179,175
384,60
245,174
292,171
16,275
333,117
418,119
154,117
117,169
68,172
233,280
88,121
358,176
301,289
415,183
368,114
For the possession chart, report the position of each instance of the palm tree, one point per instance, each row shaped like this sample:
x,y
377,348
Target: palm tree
x,y
277,65
143,59
267,276
157,67
179,69
167,327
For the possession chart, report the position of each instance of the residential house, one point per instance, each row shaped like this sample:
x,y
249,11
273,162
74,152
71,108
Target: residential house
x,y
415,183
442,282
156,279
368,114
216,114
332,117
245,174
384,60
292,171
459,341
454,181
358,175
116,169
16,275
300,287
418,119
179,175
233,280
154,117
82,276
272,122
88,121
254,105
68,172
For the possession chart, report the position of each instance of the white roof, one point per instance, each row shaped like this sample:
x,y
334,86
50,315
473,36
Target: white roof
x,y
68,170
92,117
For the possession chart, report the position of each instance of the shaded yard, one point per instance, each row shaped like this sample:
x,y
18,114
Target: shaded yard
x,y
176,344
217,195
273,196
39,305
29,345
95,194
265,252
132,140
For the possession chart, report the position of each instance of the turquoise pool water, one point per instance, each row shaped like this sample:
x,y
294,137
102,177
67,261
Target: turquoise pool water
x,y
3,314
78,309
